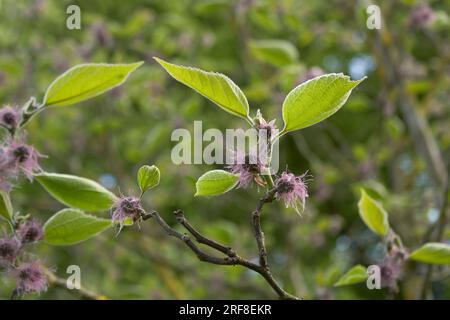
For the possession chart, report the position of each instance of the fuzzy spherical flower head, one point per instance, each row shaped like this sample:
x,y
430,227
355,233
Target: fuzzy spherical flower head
x,y
127,208
25,157
16,157
30,231
247,166
292,190
10,117
9,248
30,278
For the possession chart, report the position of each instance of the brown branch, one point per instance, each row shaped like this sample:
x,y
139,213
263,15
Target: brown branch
x,y
201,255
200,238
82,292
257,229
232,258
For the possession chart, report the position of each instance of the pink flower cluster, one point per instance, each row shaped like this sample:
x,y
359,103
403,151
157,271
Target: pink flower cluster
x,y
127,208
30,276
17,158
248,166
292,190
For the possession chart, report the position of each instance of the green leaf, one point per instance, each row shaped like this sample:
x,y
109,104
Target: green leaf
x,y
356,274
86,81
433,252
373,214
148,177
6,209
77,192
70,226
214,86
216,182
276,52
316,100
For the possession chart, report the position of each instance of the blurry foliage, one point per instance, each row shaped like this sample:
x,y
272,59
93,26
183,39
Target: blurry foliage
x,y
267,48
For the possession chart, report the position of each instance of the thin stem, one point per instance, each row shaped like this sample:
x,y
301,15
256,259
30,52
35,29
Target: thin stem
x,y
29,110
249,121
201,255
257,229
269,180
279,135
82,292
202,239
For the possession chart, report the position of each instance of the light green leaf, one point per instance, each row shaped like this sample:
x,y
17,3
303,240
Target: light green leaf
x,y
316,100
70,226
215,182
373,214
86,81
77,192
6,209
148,177
356,274
276,52
215,86
433,252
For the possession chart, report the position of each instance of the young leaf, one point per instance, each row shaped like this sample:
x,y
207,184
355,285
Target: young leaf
x,y
433,252
77,192
6,209
214,86
70,226
356,274
215,182
373,214
316,100
148,177
276,52
86,81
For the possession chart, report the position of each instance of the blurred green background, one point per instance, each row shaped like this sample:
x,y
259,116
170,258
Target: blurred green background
x,y
385,138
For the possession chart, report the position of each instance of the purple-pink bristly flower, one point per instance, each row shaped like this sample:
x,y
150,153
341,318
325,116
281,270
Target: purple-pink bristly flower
x,y
17,157
30,231
25,157
127,208
292,190
247,166
10,117
9,248
30,278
